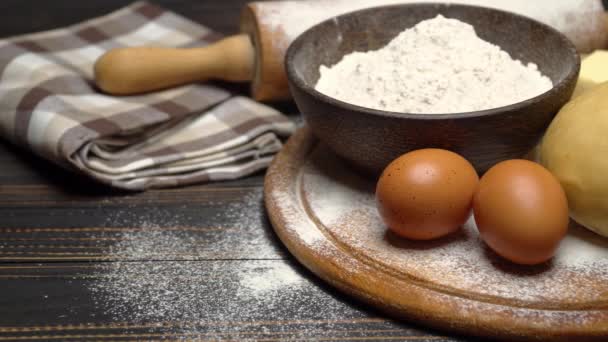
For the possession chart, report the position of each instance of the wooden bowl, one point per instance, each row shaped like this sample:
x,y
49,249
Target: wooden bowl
x,y
370,139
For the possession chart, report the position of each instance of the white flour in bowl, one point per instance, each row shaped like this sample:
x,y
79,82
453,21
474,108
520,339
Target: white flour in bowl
x,y
440,66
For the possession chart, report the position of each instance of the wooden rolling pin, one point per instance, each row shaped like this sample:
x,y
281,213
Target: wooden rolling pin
x,y
269,27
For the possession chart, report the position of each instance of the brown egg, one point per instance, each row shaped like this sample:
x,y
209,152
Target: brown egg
x,y
521,211
426,194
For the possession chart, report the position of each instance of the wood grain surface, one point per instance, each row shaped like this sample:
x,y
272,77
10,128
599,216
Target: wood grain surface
x,y
56,228
326,216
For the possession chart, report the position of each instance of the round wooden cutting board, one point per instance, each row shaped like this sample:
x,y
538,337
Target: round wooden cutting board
x,y
325,214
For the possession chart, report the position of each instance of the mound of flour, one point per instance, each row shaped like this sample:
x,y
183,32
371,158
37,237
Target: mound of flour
x,y
439,66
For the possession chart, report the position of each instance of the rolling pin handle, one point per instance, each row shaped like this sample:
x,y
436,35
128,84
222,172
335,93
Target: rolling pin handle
x,y
137,70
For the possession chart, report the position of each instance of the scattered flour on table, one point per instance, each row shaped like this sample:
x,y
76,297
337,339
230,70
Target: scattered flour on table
x,y
272,280
160,272
439,66
231,223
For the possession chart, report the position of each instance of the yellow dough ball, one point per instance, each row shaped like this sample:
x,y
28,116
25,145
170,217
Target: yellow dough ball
x,y
575,150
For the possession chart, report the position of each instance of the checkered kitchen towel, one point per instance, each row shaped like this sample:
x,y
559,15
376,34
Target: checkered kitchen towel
x,y
191,134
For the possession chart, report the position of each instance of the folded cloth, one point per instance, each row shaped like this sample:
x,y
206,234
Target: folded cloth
x,y
171,138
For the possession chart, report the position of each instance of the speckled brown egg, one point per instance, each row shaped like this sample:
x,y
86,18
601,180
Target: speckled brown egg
x,y
521,211
426,194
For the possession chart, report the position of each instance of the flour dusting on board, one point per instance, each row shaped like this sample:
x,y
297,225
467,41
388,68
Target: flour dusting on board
x,y
292,212
345,205
295,17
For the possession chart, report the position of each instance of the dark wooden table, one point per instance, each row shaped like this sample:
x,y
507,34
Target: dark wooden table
x,y
56,230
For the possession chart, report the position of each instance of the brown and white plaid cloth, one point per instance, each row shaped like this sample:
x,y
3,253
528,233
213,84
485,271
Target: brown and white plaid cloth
x,y
177,137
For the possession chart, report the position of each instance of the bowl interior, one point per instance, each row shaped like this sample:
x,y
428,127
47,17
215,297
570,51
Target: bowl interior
x,y
371,29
